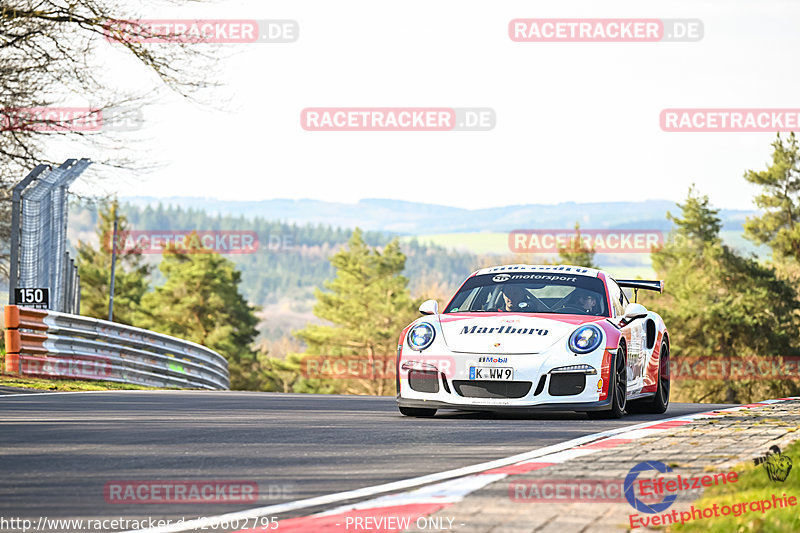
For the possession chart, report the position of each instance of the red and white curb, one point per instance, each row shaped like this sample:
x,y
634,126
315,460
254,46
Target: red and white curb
x,y
401,510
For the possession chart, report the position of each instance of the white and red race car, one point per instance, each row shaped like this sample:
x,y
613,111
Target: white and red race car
x,y
534,337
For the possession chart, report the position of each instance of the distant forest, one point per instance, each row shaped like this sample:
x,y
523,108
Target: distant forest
x,y
292,259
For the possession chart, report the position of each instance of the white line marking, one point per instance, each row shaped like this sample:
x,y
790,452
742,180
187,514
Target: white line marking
x,y
639,433
451,491
566,455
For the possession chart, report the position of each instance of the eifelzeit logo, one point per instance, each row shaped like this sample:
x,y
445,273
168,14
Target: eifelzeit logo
x,y
503,329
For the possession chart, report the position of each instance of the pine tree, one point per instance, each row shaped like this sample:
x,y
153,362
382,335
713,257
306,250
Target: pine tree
x,y
700,224
200,302
577,253
779,226
369,304
718,303
94,267
280,375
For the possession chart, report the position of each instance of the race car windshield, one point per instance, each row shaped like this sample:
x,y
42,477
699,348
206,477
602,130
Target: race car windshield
x,y
531,293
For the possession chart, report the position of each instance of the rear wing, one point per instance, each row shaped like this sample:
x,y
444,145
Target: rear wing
x,y
636,284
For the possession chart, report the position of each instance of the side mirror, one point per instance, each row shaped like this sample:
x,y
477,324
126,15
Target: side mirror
x,y
429,307
634,311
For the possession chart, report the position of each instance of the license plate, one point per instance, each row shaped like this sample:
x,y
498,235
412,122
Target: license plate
x,y
499,373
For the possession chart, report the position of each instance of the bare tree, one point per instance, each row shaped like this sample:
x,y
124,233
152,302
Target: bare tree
x,y
51,54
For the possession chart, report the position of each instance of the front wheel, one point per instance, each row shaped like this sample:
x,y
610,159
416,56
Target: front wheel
x,y
417,412
618,387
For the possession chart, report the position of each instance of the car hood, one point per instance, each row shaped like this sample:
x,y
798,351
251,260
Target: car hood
x,y
506,333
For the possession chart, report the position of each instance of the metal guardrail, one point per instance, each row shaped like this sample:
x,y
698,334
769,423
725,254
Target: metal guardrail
x,y
50,344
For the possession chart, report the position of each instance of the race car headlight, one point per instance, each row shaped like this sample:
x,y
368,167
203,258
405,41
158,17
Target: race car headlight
x,y
421,336
585,339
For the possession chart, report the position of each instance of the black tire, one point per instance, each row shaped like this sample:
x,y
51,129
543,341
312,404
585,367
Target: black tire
x,y
618,387
658,403
417,412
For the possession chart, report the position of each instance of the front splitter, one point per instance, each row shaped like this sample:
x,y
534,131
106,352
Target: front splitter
x,y
603,405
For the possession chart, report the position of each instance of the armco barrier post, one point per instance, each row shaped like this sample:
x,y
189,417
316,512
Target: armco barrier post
x,y
12,339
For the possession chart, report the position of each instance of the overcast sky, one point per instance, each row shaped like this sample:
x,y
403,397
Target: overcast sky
x,y
575,121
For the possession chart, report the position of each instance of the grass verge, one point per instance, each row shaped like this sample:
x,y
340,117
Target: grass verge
x,y
753,485
65,384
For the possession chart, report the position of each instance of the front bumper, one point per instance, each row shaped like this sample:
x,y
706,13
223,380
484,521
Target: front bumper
x,y
539,383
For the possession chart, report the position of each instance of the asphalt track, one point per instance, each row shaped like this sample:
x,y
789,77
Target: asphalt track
x,y
59,450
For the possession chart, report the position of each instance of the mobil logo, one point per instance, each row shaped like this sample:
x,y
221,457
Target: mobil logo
x,y
493,359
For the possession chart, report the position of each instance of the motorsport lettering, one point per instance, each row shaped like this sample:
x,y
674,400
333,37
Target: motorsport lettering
x,y
548,277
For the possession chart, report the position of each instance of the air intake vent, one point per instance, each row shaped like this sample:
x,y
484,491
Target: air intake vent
x,y
540,386
423,381
650,326
444,383
492,389
566,384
